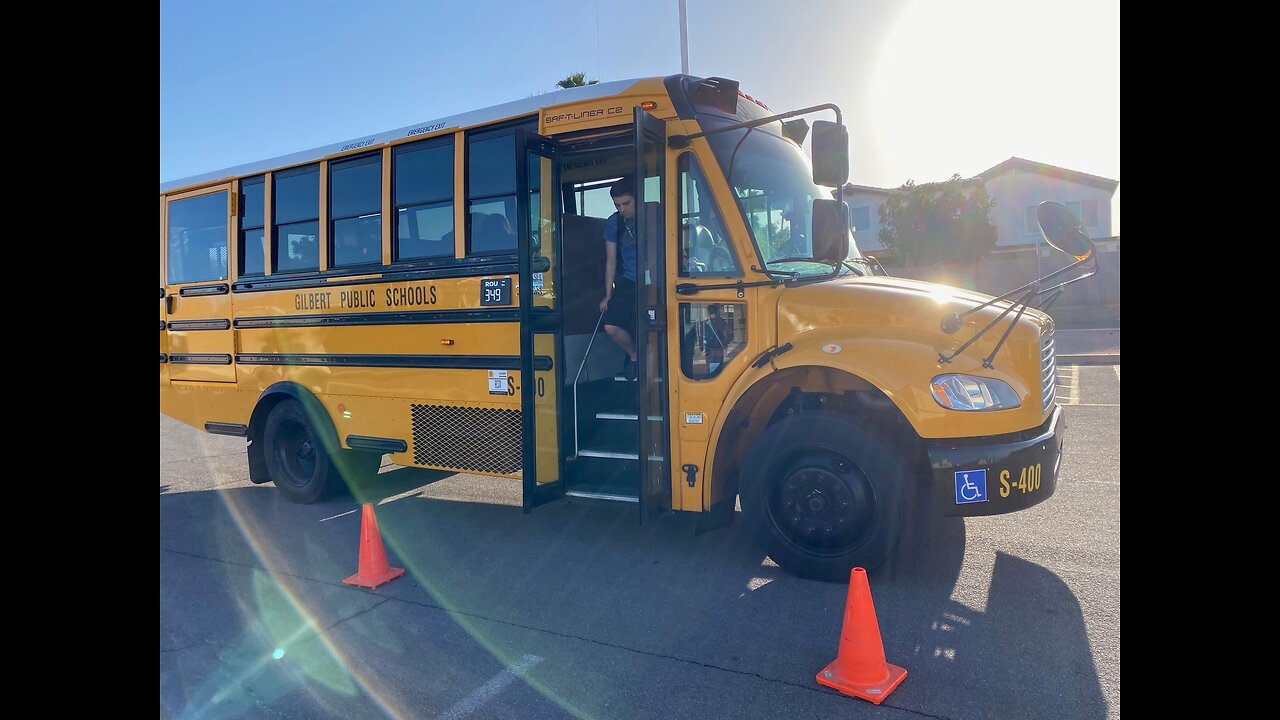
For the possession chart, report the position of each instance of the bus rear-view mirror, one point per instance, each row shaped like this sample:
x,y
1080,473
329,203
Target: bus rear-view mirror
x,y
830,230
830,153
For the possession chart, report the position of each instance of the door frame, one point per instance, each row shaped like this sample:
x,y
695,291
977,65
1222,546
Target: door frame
x,y
539,321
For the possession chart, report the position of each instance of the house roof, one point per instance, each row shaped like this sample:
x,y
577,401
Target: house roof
x,y
1020,164
850,187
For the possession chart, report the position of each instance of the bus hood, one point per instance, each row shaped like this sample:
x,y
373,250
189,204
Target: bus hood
x,y
889,307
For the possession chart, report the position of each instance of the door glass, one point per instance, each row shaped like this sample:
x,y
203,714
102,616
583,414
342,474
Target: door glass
x,y
705,250
542,228
198,239
711,335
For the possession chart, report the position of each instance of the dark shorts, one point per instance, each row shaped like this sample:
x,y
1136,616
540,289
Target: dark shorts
x,y
622,306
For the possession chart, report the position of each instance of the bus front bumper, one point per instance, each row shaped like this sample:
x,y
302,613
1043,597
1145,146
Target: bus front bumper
x,y
996,478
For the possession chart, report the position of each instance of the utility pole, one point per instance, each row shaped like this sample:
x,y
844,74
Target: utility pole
x,y
684,41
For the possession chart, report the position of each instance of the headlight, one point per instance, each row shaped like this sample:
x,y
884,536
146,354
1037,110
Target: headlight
x,y
967,392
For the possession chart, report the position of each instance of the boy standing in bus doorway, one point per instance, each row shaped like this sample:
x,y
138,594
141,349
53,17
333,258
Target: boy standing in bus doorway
x,y
619,303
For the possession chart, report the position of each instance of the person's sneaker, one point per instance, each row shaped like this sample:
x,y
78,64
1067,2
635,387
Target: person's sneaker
x,y
628,371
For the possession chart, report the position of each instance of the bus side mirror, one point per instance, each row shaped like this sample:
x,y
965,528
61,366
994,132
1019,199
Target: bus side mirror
x,y
830,230
830,153
1063,231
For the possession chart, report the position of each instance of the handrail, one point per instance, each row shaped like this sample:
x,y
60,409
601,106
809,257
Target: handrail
x,y
585,355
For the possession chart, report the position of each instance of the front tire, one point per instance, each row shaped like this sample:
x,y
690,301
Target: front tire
x,y
825,493
303,468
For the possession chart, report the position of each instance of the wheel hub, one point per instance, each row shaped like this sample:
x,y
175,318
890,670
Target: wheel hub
x,y
297,453
825,506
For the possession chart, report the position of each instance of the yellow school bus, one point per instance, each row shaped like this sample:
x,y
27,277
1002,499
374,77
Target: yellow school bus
x,y
433,294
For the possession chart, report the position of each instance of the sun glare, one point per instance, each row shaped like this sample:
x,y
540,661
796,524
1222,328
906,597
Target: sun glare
x,y
960,87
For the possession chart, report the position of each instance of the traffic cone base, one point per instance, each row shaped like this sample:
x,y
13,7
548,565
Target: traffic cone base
x,y
860,669
877,692
376,580
374,569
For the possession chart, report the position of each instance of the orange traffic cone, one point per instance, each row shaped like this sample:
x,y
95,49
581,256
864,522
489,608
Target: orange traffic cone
x,y
859,668
373,570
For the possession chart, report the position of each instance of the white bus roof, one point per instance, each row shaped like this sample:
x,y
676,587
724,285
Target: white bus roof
x,y
511,109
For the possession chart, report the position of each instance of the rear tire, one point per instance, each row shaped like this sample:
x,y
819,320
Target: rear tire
x,y
825,493
303,467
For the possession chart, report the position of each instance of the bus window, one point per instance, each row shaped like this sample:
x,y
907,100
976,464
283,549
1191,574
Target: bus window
x,y
198,239
253,218
705,249
296,199
423,194
355,210
491,193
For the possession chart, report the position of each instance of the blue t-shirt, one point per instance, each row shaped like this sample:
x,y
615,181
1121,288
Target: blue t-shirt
x,y
626,245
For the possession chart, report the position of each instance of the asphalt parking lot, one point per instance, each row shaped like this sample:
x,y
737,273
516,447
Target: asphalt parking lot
x,y
576,610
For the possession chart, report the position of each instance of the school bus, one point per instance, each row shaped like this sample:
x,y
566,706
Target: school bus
x,y
432,294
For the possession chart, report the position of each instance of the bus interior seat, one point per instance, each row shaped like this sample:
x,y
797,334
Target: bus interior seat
x,y
583,271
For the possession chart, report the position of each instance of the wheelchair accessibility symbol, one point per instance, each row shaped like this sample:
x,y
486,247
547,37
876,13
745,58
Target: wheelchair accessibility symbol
x,y
971,486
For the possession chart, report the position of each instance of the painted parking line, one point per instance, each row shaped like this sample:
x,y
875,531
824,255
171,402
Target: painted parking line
x,y
1069,385
489,690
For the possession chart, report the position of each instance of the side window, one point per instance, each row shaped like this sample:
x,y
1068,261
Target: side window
x,y
355,211
1086,211
491,193
705,249
711,334
198,239
253,218
295,200
861,217
422,175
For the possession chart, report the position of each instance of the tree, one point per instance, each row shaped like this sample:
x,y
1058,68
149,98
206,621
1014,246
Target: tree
x,y
938,222
578,79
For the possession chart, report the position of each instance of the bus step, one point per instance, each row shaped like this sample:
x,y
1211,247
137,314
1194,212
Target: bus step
x,y
624,416
615,455
602,496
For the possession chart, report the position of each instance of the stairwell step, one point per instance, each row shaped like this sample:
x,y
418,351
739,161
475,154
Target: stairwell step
x,y
624,416
602,496
616,455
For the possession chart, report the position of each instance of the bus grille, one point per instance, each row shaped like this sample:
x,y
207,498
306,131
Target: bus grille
x,y
1048,370
484,440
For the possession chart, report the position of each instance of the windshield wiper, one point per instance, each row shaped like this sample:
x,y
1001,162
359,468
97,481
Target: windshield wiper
x,y
785,274
794,278
857,269
795,259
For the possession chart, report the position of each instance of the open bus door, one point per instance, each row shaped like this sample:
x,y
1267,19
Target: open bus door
x,y
651,345
541,319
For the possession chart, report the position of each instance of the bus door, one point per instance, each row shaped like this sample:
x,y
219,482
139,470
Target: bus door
x,y
197,290
651,345
538,214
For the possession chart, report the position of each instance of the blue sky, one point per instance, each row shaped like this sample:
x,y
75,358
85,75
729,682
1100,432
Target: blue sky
x,y
928,87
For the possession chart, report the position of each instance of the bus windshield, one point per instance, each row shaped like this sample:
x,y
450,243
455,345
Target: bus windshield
x,y
773,184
